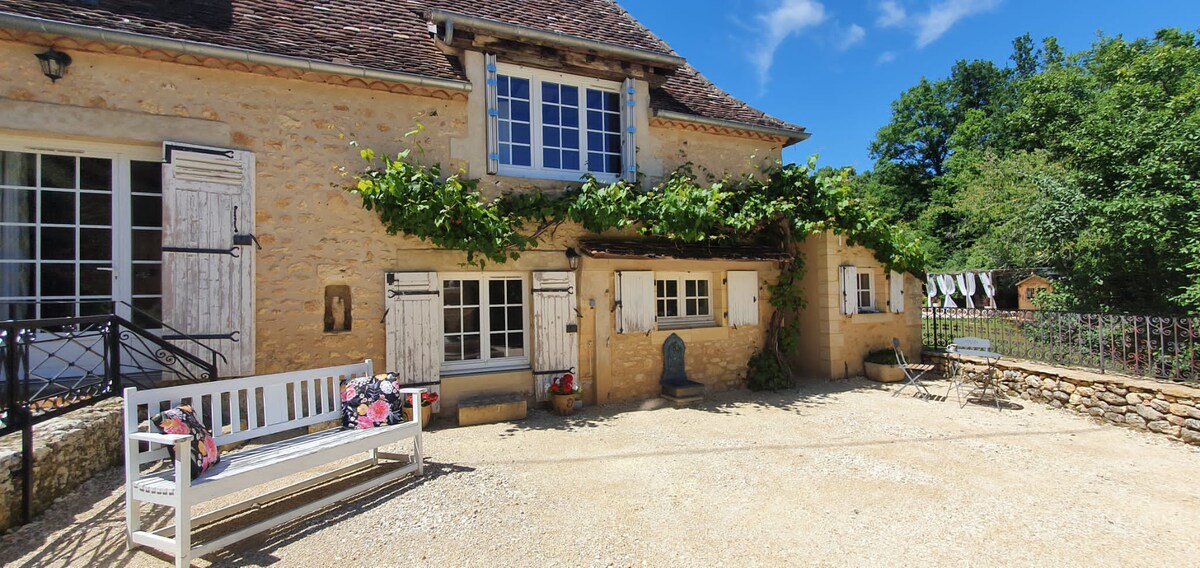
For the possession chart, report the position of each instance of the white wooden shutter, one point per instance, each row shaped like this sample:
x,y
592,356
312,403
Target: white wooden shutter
x,y
742,291
896,292
493,114
849,290
555,329
414,326
208,280
629,131
635,301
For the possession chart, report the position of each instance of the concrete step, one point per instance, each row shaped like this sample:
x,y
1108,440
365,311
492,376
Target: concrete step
x,y
492,409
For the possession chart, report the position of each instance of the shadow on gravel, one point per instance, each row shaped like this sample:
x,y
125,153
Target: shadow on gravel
x,y
258,550
102,545
812,393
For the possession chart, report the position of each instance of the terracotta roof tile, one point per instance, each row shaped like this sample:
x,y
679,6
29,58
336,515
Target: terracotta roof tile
x,y
388,35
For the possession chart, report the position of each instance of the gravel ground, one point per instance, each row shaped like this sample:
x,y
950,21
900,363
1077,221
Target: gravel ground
x,y
836,474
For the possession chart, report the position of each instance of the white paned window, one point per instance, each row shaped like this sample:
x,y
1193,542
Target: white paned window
x,y
557,126
60,255
865,290
682,300
484,322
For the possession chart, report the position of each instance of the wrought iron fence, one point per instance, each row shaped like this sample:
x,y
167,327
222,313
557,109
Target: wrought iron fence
x,y
1163,347
53,366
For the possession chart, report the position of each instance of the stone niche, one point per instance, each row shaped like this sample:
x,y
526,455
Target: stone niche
x,y
337,308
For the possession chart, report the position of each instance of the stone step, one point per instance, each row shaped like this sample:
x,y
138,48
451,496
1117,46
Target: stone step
x,y
682,401
689,389
492,409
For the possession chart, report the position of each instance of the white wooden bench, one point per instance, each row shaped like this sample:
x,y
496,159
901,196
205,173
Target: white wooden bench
x,y
241,410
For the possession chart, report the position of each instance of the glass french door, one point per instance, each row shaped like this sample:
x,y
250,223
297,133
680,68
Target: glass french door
x,y
80,231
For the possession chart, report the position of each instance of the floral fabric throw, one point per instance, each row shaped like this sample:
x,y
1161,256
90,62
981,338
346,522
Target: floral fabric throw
x,y
370,402
182,420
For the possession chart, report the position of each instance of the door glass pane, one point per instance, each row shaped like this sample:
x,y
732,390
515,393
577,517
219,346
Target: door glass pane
x,y
147,279
58,243
57,279
58,207
18,168
95,208
145,177
57,309
94,281
18,280
95,173
16,243
17,205
95,244
152,307
147,244
58,171
147,211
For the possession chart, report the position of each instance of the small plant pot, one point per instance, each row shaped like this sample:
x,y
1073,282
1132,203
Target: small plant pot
x,y
564,404
884,373
426,415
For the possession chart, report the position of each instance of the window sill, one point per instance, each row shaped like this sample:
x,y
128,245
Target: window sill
x,y
557,175
488,370
670,326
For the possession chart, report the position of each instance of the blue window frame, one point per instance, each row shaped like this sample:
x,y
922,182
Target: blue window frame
x,y
604,131
516,122
560,126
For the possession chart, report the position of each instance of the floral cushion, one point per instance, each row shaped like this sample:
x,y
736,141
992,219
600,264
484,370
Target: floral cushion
x,y
369,402
182,420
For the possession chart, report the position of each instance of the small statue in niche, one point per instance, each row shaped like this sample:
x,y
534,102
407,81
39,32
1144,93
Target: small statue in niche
x,y
337,308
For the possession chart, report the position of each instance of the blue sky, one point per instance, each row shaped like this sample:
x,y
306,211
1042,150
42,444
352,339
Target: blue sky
x,y
835,66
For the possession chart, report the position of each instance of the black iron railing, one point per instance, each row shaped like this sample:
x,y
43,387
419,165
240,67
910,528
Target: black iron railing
x,y
1163,347
53,366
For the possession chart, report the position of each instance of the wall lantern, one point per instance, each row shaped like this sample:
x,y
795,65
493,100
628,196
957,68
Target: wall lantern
x,y
54,64
572,258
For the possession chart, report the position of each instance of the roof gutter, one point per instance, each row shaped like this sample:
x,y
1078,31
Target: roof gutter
x,y
463,21
39,25
792,135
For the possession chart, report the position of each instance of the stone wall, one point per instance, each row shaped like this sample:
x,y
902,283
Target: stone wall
x,y
1170,409
67,451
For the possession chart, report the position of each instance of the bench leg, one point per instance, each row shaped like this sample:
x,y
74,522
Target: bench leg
x,y
375,456
183,536
133,519
419,452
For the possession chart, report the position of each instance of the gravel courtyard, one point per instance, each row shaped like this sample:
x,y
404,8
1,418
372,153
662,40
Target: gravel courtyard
x,y
837,474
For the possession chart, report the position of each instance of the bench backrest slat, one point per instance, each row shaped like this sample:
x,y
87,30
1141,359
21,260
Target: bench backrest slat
x,y
974,343
242,409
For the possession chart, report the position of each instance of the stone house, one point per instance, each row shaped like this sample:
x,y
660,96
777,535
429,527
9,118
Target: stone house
x,y
184,136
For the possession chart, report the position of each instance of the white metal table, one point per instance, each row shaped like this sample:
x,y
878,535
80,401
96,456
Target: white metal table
x,y
985,379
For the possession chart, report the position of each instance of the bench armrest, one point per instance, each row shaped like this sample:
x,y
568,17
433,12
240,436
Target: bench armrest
x,y
413,390
156,438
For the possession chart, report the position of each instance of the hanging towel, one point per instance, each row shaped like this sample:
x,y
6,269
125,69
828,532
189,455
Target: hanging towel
x,y
946,285
931,291
985,278
966,285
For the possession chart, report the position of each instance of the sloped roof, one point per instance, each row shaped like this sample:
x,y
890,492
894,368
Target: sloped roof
x,y
390,35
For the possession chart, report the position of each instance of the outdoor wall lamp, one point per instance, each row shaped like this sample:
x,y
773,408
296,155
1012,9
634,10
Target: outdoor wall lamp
x,y
54,64
572,258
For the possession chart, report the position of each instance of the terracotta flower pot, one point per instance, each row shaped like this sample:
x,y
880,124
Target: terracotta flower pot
x,y
426,415
564,404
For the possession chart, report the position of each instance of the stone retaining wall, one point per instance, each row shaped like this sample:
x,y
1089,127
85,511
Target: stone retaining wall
x,y
67,451
1170,409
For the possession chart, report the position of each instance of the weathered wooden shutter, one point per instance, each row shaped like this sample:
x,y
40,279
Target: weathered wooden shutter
x,y
414,326
742,291
555,329
849,290
896,292
493,114
208,274
629,130
635,301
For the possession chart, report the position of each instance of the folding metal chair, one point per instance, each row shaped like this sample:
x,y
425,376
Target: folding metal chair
x,y
912,372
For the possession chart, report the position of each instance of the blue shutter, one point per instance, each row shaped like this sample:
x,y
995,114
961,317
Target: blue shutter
x,y
493,115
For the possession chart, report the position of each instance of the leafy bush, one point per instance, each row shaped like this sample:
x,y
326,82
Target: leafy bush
x,y
765,373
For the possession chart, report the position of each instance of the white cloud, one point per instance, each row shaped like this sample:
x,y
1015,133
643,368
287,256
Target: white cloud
x,y
788,17
943,15
886,57
891,14
854,34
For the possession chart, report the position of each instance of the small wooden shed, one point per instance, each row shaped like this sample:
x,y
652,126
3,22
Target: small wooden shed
x,y
1029,288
